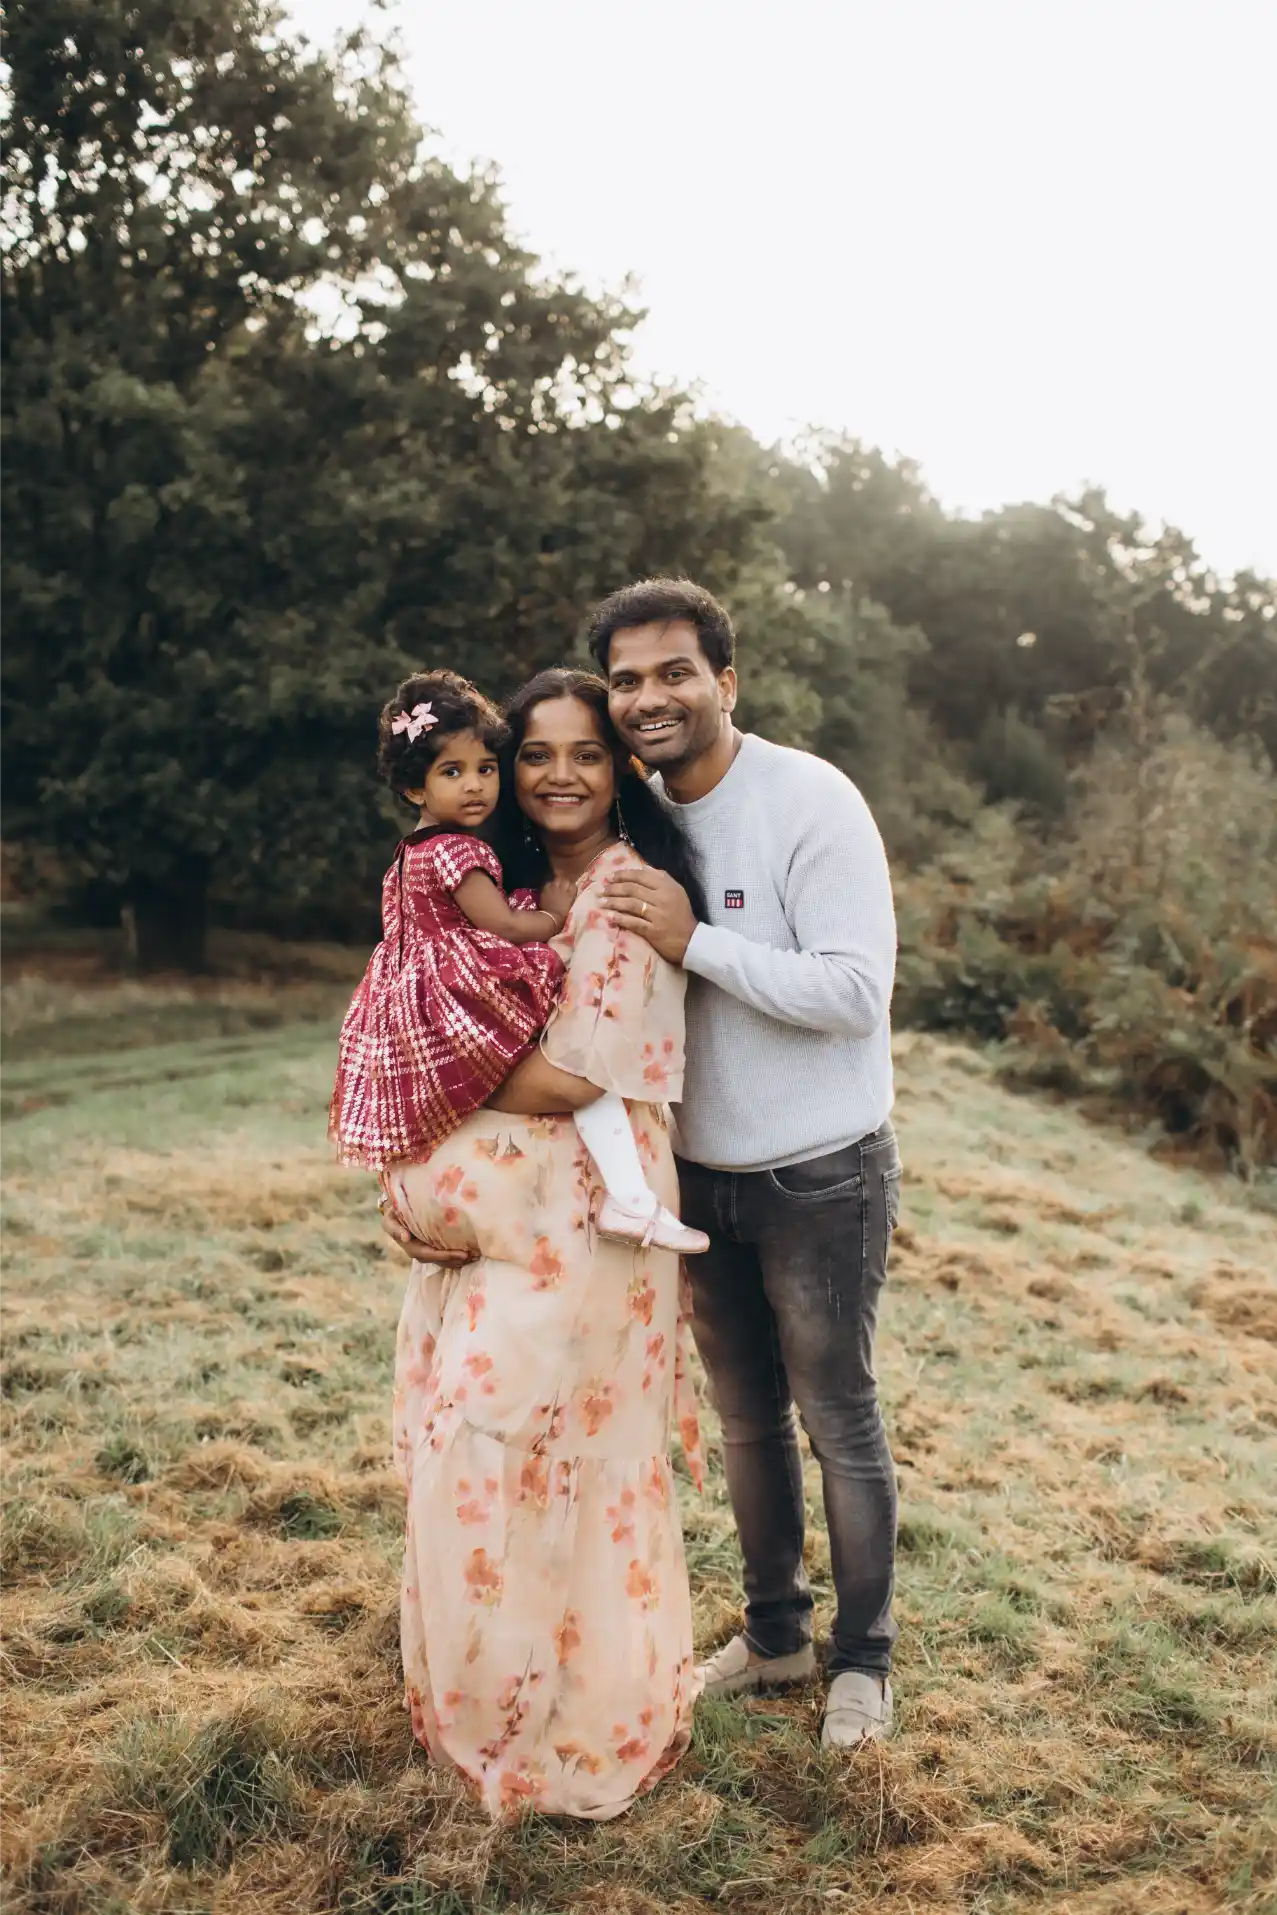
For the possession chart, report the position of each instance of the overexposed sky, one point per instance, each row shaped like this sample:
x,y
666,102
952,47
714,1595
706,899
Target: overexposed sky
x,y
1027,242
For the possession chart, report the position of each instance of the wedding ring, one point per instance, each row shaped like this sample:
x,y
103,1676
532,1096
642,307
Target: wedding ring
x,y
645,907
383,1201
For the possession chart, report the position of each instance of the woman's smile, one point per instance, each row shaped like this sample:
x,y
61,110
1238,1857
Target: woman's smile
x,y
565,774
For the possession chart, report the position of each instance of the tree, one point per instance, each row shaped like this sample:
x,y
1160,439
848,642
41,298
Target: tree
x,y
1234,690
175,175
846,515
286,412
1029,609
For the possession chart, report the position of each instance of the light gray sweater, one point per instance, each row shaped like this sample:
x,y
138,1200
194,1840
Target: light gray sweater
x,y
789,987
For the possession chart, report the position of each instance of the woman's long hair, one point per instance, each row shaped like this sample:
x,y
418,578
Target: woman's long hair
x,y
651,826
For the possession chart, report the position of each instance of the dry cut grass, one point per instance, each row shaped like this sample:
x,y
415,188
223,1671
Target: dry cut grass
x,y
201,1535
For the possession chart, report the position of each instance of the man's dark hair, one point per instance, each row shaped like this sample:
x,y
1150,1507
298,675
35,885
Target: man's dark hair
x,y
659,601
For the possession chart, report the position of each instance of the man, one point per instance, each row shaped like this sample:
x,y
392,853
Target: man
x,y
787,1159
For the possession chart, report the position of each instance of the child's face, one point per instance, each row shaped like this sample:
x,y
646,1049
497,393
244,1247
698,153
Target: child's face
x,y
461,785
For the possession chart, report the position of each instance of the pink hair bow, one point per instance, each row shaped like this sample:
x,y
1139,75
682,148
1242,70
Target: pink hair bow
x,y
419,719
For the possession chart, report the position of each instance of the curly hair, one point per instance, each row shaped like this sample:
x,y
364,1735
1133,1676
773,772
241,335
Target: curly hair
x,y
457,705
659,601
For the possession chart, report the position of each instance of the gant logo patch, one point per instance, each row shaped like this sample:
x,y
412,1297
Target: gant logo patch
x,y
734,900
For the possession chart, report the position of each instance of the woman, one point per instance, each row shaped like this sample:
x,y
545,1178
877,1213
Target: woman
x,y
546,1621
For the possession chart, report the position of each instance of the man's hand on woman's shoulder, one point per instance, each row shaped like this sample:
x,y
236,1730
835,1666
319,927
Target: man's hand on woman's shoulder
x,y
654,906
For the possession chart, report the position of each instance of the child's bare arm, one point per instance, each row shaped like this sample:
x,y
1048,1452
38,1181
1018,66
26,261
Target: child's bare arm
x,y
558,895
483,904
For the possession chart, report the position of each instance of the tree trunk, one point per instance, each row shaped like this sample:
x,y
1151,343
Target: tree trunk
x,y
170,919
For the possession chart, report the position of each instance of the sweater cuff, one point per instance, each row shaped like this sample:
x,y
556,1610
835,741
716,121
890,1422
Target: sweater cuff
x,y
709,951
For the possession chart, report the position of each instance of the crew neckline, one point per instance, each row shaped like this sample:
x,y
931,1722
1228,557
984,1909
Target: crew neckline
x,y
701,807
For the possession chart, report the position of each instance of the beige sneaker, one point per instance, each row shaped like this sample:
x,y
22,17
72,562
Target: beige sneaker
x,y
736,1670
859,1709
662,1228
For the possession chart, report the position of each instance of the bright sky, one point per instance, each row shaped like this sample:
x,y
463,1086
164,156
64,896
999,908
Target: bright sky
x,y
1027,242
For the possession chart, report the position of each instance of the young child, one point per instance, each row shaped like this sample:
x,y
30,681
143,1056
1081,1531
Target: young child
x,y
462,982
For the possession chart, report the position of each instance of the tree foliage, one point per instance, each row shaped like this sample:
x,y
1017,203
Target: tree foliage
x,y
286,413
1038,610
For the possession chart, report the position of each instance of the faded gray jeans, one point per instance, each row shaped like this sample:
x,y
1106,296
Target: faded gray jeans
x,y
785,1307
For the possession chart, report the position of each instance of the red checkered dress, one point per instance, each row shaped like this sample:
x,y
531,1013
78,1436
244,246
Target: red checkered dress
x,y
443,1013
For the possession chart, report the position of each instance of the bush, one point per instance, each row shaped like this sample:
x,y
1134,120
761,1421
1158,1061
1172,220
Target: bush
x,y
1135,954
1016,764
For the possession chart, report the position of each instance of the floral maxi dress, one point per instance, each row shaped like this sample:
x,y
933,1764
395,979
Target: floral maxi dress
x,y
545,1613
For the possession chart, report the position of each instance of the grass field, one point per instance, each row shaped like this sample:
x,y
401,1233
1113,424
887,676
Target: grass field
x,y
202,1531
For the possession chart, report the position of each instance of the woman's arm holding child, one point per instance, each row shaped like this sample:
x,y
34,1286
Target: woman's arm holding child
x,y
483,904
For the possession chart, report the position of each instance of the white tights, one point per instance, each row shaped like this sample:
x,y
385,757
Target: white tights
x,y
604,1129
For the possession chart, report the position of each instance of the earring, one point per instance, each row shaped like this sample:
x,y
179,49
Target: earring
x,y
528,837
621,832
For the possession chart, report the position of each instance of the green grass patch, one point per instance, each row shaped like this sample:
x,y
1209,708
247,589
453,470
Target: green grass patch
x,y
213,1786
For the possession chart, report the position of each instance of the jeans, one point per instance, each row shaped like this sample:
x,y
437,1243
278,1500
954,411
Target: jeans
x,y
785,1305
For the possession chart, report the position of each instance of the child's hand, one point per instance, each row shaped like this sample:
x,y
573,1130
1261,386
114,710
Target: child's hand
x,y
558,897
